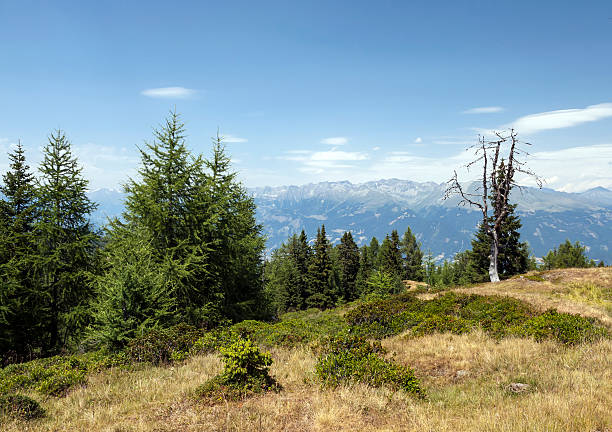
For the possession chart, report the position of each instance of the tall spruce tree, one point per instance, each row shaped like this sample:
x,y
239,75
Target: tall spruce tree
x,y
390,256
237,243
283,279
373,250
20,302
323,290
348,262
412,257
65,241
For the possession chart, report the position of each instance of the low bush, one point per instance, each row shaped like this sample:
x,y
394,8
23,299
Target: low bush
x,y
293,329
565,328
459,313
163,346
20,407
54,376
246,372
353,359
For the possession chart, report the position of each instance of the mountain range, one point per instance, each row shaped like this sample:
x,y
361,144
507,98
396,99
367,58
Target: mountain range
x,y
375,208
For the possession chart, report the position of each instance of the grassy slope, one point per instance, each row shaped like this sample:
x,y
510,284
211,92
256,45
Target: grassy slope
x,y
571,388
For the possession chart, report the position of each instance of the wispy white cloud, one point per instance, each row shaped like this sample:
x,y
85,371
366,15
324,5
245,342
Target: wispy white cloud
x,y
334,140
332,162
336,155
228,138
376,148
484,110
418,140
562,118
169,92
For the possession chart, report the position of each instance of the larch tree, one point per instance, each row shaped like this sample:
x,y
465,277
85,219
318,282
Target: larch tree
x,y
65,242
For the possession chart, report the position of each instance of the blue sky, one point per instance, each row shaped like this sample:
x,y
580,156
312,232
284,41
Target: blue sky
x,y
313,91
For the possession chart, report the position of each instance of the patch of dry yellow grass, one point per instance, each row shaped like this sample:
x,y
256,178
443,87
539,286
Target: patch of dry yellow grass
x,y
465,376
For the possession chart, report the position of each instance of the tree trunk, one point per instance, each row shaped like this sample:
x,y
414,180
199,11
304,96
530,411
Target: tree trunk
x,y
493,275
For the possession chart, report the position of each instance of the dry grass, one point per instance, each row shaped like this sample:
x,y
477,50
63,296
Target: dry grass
x,y
570,388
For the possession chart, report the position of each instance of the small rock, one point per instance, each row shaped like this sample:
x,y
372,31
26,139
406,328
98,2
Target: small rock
x,y
518,387
461,373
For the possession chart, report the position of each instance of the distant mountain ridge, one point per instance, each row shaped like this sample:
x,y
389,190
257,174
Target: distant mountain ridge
x,y
375,208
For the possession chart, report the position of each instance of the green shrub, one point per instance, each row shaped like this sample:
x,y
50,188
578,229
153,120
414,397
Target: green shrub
x,y
293,329
459,313
565,328
442,324
54,376
20,407
246,372
163,346
353,359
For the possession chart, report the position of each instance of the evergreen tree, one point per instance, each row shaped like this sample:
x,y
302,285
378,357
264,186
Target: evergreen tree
x,y
132,296
283,280
201,231
412,257
366,268
20,302
567,255
62,260
373,250
170,203
381,283
390,256
348,261
323,291
513,255
236,239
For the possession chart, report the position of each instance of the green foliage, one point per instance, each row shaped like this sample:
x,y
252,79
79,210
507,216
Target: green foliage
x,y
287,274
348,263
566,328
390,257
296,328
163,346
459,313
54,376
412,257
20,407
21,304
246,372
132,296
62,258
383,284
567,255
323,284
350,358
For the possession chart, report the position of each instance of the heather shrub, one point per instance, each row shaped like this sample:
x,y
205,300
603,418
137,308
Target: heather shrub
x,y
163,346
54,376
353,359
563,327
20,407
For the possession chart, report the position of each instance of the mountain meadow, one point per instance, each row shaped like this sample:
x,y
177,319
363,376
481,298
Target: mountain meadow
x,y
174,315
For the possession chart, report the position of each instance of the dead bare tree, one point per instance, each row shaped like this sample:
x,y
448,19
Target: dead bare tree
x,y
496,183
